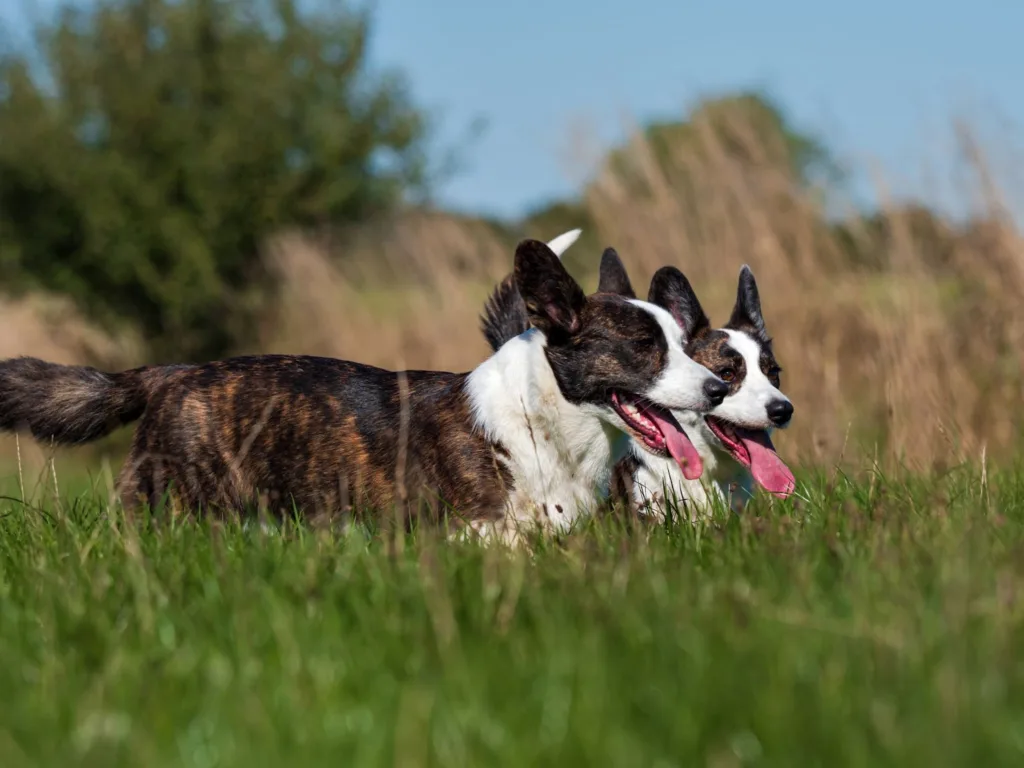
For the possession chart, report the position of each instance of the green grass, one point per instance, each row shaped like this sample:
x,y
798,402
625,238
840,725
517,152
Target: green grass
x,y
878,623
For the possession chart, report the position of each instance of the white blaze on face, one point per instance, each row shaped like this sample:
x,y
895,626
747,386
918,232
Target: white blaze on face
x,y
743,424
748,407
680,386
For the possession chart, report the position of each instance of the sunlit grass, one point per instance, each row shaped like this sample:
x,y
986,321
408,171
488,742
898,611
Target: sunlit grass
x,y
877,622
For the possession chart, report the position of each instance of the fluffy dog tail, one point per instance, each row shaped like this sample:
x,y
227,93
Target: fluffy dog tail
x,y
505,315
68,404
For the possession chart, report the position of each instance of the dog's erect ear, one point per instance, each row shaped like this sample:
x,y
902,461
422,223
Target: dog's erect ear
x,y
553,299
672,291
613,277
746,315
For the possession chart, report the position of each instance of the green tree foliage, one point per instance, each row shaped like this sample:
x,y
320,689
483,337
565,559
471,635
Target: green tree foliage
x,y
161,140
747,127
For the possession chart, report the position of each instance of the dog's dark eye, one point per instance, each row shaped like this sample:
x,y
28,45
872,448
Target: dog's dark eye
x,y
727,374
773,375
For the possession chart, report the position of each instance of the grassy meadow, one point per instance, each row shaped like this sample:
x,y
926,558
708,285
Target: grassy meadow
x,y
876,621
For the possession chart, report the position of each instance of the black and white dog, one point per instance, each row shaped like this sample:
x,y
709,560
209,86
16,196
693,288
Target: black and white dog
x,y
526,437
732,442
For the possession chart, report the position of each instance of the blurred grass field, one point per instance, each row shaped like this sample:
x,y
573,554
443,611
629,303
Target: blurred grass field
x,y
878,621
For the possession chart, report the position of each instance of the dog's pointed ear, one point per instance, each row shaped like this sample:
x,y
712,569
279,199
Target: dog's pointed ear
x,y
613,277
554,301
672,291
746,314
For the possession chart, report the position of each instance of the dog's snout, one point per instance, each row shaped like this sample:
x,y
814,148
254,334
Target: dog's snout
x,y
716,390
780,412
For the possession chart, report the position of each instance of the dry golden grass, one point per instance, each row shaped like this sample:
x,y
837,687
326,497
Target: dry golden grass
x,y
916,353
405,293
901,337
51,328
911,352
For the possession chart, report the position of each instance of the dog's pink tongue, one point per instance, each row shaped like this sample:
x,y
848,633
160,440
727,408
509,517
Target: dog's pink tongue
x,y
678,445
765,465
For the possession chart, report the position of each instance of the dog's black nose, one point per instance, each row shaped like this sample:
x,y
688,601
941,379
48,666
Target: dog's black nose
x,y
716,390
780,412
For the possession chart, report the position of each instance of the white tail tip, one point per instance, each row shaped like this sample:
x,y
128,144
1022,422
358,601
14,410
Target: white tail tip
x,y
561,243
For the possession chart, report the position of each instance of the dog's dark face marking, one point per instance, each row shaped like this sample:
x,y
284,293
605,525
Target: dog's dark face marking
x,y
747,319
711,349
618,346
741,355
603,342
610,352
715,348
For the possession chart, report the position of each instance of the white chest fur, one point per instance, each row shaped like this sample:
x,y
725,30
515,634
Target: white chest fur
x,y
559,453
659,487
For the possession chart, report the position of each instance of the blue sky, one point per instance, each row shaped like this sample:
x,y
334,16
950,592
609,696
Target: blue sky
x,y
878,80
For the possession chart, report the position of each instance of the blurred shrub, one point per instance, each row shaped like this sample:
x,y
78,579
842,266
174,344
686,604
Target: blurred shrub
x,y
147,147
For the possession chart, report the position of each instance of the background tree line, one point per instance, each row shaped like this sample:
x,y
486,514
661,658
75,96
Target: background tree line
x,y
149,147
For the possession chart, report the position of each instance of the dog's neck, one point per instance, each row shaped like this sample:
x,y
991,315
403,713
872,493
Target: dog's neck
x,y
559,453
659,486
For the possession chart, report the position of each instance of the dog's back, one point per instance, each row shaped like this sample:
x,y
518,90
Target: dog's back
x,y
279,431
312,433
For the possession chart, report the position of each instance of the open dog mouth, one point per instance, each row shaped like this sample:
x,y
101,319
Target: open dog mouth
x,y
657,429
754,449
